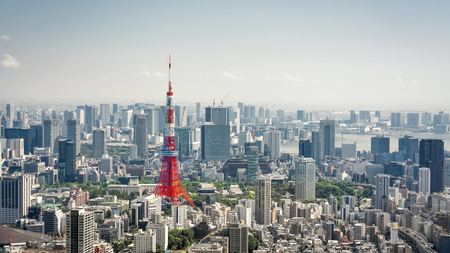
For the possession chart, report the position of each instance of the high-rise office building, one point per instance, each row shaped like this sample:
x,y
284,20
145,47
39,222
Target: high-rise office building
x,y
21,133
263,201
184,139
153,120
180,116
126,117
364,116
80,236
316,150
91,113
396,119
99,143
74,132
10,112
105,114
215,142
238,238
198,112
52,219
15,193
409,146
432,156
305,178
140,134
162,234
382,190
218,115
304,148
272,139
251,152
424,181
353,117
67,160
328,134
301,115
413,119
36,136
427,118
51,133
145,241
379,145
348,150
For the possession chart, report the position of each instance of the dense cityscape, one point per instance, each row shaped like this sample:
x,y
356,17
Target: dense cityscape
x,y
224,126
86,180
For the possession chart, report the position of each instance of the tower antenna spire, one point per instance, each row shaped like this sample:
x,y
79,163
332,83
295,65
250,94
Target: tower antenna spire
x,y
170,67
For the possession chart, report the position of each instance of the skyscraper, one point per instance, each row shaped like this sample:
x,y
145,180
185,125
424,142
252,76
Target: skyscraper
x,y
36,136
105,113
99,143
180,116
379,145
15,193
238,238
263,201
74,132
409,146
67,160
218,115
80,235
140,134
301,115
52,219
348,150
396,119
272,139
215,142
251,152
51,133
304,148
316,150
353,117
198,110
432,156
424,182
382,190
185,137
305,178
413,119
328,134
90,117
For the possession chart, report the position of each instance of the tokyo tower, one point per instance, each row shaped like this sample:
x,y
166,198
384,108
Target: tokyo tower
x,y
169,184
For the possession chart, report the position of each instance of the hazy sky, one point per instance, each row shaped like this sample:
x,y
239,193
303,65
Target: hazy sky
x,y
308,54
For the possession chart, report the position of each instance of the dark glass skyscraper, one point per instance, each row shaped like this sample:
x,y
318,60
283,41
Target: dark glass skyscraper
x,y
409,146
304,148
140,134
217,115
215,142
432,156
67,160
379,145
73,133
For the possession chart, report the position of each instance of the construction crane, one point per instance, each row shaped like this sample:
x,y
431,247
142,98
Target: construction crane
x,y
223,99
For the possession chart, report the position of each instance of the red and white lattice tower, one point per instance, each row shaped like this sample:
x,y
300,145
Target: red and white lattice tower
x,y
169,184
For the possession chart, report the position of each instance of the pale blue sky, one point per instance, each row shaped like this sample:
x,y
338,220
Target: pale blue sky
x,y
310,54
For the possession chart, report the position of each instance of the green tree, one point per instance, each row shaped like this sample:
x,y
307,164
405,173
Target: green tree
x,y
201,230
253,242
